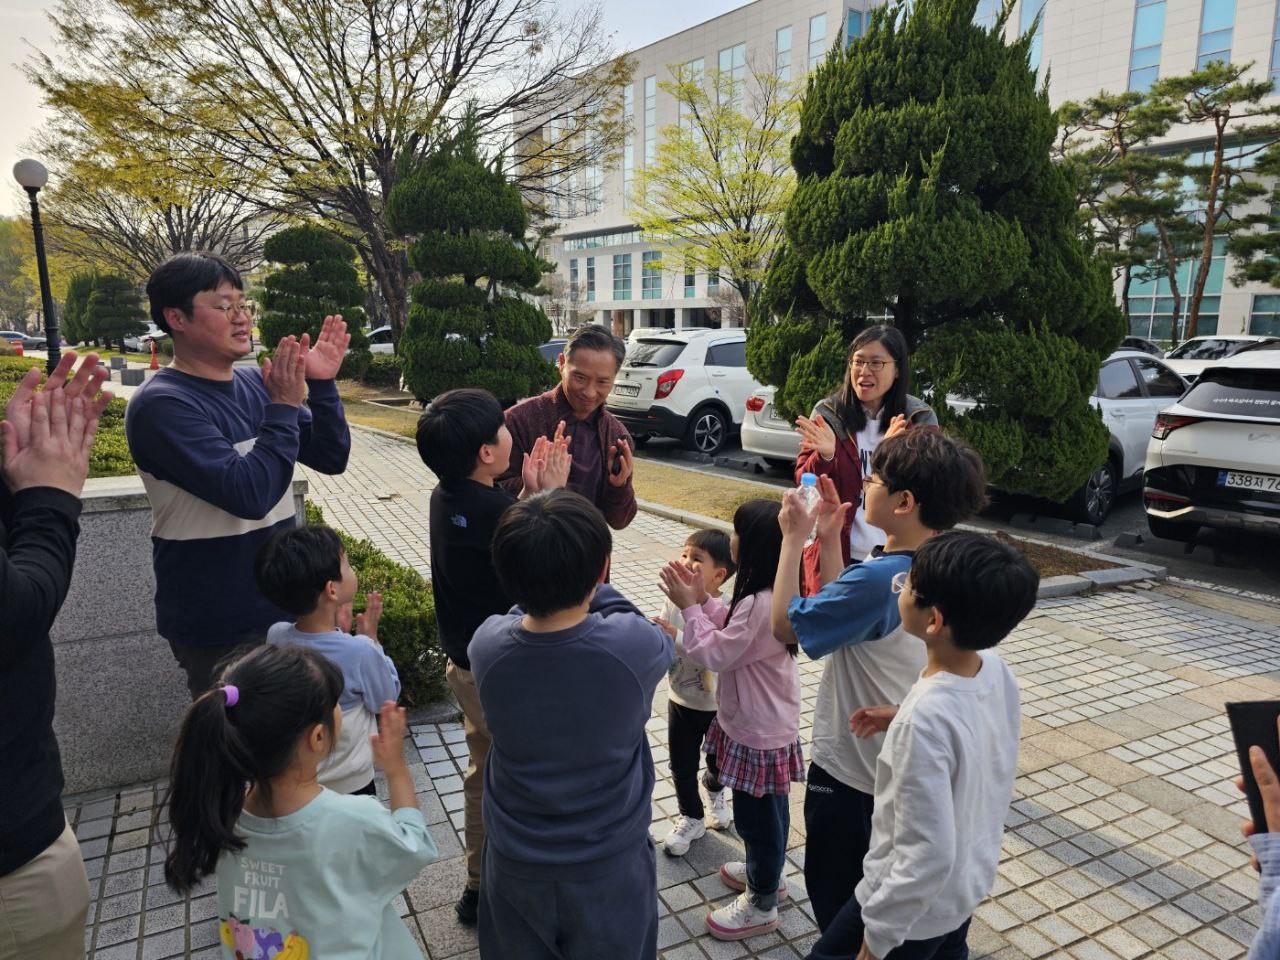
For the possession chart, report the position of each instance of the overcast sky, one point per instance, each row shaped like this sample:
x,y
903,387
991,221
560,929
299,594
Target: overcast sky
x,y
633,23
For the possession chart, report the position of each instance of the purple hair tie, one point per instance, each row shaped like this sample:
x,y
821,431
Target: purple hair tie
x,y
233,694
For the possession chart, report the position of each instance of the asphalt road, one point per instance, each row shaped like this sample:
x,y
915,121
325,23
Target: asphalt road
x,y
1234,560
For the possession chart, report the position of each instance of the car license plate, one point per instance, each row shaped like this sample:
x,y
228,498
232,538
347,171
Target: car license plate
x,y
1248,481
627,389
771,413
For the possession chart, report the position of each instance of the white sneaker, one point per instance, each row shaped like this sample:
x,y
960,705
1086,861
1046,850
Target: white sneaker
x,y
734,876
686,830
741,919
721,815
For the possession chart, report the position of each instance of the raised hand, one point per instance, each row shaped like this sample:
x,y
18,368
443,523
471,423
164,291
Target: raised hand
x,y
794,518
556,464
367,622
324,357
817,435
896,426
831,512
533,466
342,617
681,585
60,438
388,742
621,464
284,375
86,383
868,721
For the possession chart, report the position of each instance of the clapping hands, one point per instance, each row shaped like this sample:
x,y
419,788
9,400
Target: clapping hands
x,y
816,435
547,466
681,585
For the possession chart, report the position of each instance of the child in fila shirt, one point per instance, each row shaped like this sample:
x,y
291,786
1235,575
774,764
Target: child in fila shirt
x,y
691,702
944,777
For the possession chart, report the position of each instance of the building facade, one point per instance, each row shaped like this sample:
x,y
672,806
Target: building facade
x,y
614,277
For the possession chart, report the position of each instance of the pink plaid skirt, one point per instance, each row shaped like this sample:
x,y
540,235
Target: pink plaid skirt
x,y
753,771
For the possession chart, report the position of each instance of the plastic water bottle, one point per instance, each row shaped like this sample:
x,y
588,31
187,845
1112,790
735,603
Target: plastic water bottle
x,y
810,497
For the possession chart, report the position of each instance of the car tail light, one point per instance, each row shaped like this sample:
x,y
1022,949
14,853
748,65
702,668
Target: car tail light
x,y
1166,423
1159,496
666,383
755,404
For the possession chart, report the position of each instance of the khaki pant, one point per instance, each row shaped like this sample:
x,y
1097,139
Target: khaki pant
x,y
463,686
43,904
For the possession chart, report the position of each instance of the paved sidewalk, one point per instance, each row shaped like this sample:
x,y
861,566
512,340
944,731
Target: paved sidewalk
x,y
1123,840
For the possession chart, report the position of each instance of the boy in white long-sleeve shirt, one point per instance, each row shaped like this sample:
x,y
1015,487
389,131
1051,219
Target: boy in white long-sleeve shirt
x,y
944,777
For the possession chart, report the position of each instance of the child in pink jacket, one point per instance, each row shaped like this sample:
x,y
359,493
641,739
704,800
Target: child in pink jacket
x,y
755,738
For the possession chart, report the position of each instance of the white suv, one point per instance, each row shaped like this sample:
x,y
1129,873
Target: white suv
x,y
691,384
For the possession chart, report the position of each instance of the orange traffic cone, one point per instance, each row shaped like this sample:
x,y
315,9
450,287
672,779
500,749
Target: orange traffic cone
x,y
17,348
155,364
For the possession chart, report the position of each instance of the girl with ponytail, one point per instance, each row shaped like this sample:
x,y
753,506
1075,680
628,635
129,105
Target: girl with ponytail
x,y
300,870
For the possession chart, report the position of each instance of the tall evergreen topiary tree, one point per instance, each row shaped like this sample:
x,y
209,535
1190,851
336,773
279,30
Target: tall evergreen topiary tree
x,y
115,310
74,320
317,278
926,192
466,328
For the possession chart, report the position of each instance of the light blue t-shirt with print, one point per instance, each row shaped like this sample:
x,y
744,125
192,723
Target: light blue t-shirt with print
x,y
321,882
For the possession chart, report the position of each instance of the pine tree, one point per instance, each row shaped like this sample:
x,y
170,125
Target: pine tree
x,y
926,192
74,321
317,278
114,310
468,327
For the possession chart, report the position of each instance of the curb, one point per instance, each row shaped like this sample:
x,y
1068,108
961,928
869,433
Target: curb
x,y
683,516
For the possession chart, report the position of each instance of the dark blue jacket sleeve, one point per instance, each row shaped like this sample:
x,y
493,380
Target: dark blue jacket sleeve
x,y
174,440
856,607
325,441
35,566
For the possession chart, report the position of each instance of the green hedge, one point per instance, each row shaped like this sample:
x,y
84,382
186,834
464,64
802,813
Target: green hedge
x,y
408,628
383,371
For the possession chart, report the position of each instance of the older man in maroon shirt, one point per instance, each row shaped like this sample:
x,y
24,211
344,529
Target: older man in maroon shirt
x,y
601,445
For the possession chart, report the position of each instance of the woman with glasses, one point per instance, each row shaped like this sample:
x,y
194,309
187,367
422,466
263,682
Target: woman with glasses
x,y
840,436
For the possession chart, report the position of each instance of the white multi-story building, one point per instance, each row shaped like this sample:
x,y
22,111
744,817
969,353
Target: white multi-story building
x,y
1086,46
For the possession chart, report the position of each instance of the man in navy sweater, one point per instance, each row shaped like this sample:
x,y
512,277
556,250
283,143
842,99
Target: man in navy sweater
x,y
47,440
216,446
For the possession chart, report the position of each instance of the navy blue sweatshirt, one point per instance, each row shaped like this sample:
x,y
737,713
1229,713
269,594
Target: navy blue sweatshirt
x,y
39,529
570,776
217,459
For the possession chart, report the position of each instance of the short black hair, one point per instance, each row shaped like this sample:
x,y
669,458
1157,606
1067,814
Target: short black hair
x,y
592,336
454,427
176,282
548,551
716,544
294,565
944,474
981,586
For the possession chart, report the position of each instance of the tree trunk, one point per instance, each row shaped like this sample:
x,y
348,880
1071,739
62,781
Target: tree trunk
x,y
1171,261
1210,228
1126,281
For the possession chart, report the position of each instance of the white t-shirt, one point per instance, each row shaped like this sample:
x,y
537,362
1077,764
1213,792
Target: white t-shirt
x,y
944,780
689,684
863,537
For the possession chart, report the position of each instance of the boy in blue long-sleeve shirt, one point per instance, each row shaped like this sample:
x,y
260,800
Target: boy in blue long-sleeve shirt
x,y
566,680
921,481
216,447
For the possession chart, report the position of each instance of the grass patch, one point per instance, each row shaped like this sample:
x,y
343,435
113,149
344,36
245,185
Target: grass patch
x,y
399,420
696,492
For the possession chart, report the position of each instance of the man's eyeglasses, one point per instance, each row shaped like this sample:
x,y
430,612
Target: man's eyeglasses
x,y
875,366
231,310
899,583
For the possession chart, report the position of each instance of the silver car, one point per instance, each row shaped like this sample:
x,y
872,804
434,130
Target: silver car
x,y
766,433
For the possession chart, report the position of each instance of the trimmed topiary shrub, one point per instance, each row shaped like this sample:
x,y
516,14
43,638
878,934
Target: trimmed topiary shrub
x,y
465,329
408,628
926,192
383,371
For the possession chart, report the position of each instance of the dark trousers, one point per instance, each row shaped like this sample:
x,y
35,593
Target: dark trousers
x,y
763,824
837,824
200,663
529,912
843,939
686,729
370,789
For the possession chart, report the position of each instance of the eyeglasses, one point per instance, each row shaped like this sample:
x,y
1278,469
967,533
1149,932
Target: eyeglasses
x,y
869,480
230,310
899,583
875,366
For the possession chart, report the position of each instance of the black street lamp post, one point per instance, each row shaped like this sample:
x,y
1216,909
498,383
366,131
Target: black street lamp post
x,y
32,175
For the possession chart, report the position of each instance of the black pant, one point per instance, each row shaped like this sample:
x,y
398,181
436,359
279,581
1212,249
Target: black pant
x,y
201,663
370,789
843,939
763,824
837,824
686,729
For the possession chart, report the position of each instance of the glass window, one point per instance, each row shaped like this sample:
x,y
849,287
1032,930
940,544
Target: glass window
x,y
1027,16
1140,80
817,39
713,282
1217,19
1148,25
573,272
1217,15
783,43
650,119
690,284
651,275
653,353
629,146
853,25
1201,348
622,276
1275,47
1117,382
1159,379
1250,393
730,354
591,278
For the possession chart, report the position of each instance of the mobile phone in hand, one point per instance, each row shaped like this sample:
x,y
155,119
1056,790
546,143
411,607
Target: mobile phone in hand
x,y
617,461
1253,724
